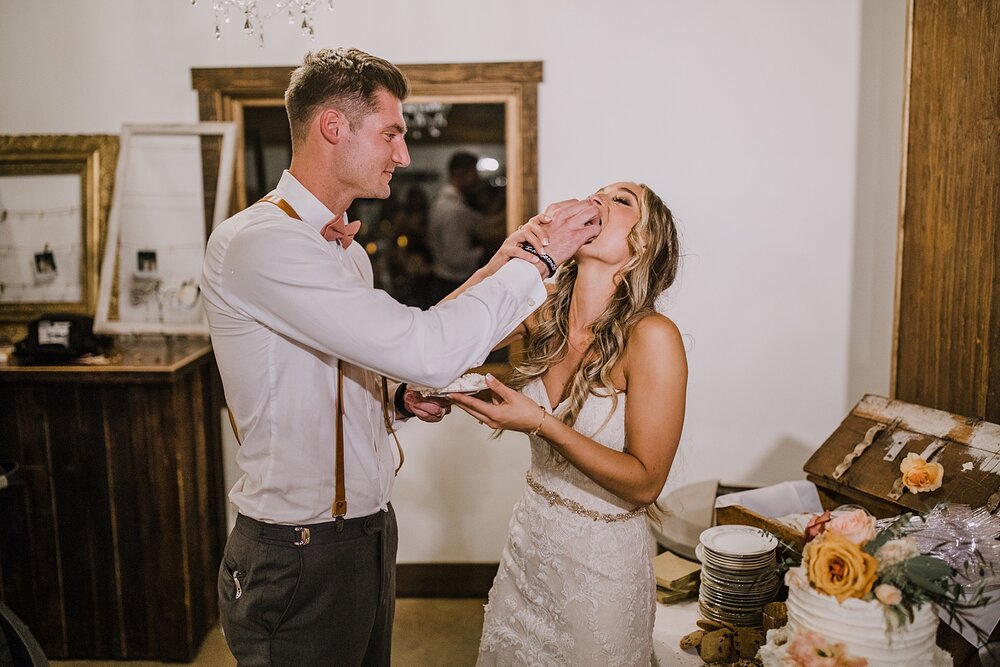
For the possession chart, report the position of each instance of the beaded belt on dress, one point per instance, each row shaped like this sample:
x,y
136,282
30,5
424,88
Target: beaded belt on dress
x,y
575,507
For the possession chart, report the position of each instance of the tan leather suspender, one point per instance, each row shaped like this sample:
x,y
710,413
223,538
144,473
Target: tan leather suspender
x,y
339,509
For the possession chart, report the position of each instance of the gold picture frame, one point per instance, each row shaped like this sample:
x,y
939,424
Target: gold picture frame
x,y
92,158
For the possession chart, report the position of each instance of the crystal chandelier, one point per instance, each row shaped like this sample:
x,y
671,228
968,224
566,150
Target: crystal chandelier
x,y
299,12
429,117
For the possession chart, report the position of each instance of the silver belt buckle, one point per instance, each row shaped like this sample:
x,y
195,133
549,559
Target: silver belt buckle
x,y
303,534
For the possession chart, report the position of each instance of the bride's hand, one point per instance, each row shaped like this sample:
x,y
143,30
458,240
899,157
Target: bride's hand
x,y
510,410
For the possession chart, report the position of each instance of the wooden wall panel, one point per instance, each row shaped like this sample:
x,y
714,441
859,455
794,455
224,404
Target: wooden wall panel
x,y
947,346
111,547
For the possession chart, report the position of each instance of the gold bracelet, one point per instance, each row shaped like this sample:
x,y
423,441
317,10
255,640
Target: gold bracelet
x,y
539,427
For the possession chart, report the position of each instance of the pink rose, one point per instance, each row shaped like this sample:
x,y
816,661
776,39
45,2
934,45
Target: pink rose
x,y
888,594
817,524
810,649
857,526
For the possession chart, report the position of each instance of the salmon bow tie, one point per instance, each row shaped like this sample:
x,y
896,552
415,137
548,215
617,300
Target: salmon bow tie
x,y
338,230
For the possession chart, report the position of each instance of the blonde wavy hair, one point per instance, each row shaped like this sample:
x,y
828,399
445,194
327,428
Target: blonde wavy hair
x,y
654,248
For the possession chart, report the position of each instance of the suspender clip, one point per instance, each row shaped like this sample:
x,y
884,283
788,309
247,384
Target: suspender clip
x,y
339,510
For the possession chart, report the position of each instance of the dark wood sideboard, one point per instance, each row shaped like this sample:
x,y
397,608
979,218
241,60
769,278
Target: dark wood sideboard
x,y
110,548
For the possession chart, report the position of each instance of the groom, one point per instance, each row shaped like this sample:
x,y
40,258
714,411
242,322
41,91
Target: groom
x,y
302,338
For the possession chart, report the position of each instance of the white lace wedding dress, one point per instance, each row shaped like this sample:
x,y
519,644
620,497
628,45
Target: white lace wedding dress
x,y
572,590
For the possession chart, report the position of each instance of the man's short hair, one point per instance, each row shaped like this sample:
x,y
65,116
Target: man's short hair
x,y
462,161
347,79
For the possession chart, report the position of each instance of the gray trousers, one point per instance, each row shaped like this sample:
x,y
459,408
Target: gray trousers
x,y
328,602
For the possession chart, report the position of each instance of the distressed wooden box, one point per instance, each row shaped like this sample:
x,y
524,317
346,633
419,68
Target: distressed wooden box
x,y
860,462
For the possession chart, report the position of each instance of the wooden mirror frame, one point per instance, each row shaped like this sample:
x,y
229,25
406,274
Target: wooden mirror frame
x,y
224,92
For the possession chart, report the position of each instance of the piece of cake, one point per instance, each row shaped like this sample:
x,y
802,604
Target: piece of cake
x,y
469,383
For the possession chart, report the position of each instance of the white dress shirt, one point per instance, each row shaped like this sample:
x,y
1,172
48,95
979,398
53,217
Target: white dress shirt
x,y
452,229
284,305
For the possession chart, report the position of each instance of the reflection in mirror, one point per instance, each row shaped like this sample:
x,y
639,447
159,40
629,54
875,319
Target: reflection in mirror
x,y
438,224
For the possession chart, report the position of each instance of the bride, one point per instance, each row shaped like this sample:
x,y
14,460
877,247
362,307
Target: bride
x,y
600,391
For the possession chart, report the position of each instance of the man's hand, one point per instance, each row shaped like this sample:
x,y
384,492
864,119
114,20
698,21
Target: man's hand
x,y
426,408
564,227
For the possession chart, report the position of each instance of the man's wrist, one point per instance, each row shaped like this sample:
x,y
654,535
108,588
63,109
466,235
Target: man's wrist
x,y
400,403
550,263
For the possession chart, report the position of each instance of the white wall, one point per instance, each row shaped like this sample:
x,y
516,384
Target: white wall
x,y
771,128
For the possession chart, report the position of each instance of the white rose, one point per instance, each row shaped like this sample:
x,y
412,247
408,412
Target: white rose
x,y
897,551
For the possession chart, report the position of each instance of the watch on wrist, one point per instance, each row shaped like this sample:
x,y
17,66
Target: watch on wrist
x,y
400,404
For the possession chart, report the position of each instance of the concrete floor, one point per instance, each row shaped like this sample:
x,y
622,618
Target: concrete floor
x,y
428,632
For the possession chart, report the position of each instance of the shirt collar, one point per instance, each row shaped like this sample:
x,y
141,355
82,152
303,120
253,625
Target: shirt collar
x,y
312,211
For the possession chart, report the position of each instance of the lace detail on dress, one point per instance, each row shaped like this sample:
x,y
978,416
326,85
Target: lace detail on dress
x,y
571,590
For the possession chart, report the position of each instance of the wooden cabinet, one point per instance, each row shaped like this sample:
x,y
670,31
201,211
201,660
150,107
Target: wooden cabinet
x,y
110,548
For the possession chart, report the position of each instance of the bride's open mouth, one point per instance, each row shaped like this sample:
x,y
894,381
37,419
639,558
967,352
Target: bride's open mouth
x,y
600,222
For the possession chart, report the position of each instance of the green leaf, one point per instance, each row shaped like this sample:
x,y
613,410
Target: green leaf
x,y
928,567
928,585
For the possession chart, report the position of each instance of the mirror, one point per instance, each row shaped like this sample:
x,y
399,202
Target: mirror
x,y
485,109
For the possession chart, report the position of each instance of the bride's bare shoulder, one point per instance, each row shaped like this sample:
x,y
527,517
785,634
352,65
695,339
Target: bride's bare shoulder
x,y
654,336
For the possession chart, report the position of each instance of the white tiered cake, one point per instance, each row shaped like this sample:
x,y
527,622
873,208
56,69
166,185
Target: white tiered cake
x,y
861,627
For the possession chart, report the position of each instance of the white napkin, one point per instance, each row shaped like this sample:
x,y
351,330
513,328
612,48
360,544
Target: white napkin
x,y
798,497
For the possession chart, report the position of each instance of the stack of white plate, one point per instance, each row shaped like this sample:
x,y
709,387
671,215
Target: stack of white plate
x,y
739,574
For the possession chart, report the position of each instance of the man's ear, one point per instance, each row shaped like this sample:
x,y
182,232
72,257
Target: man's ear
x,y
332,124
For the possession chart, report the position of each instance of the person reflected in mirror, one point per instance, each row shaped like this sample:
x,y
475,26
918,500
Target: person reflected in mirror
x,y
601,391
454,228
304,344
411,267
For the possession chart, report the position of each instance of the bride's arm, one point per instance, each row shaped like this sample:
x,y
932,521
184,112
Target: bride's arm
x,y
656,376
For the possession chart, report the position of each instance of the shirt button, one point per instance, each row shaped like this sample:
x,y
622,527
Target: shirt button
x,y
531,302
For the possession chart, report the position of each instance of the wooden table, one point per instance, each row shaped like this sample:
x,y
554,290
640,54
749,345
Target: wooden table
x,y
110,548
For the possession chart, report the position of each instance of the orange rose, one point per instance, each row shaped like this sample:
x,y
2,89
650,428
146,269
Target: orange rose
x,y
839,567
919,475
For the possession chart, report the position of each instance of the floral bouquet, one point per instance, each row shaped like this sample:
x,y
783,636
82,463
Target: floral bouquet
x,y
901,564
848,556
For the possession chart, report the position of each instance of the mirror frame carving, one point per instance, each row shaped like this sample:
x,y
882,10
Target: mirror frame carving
x,y
224,92
93,158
